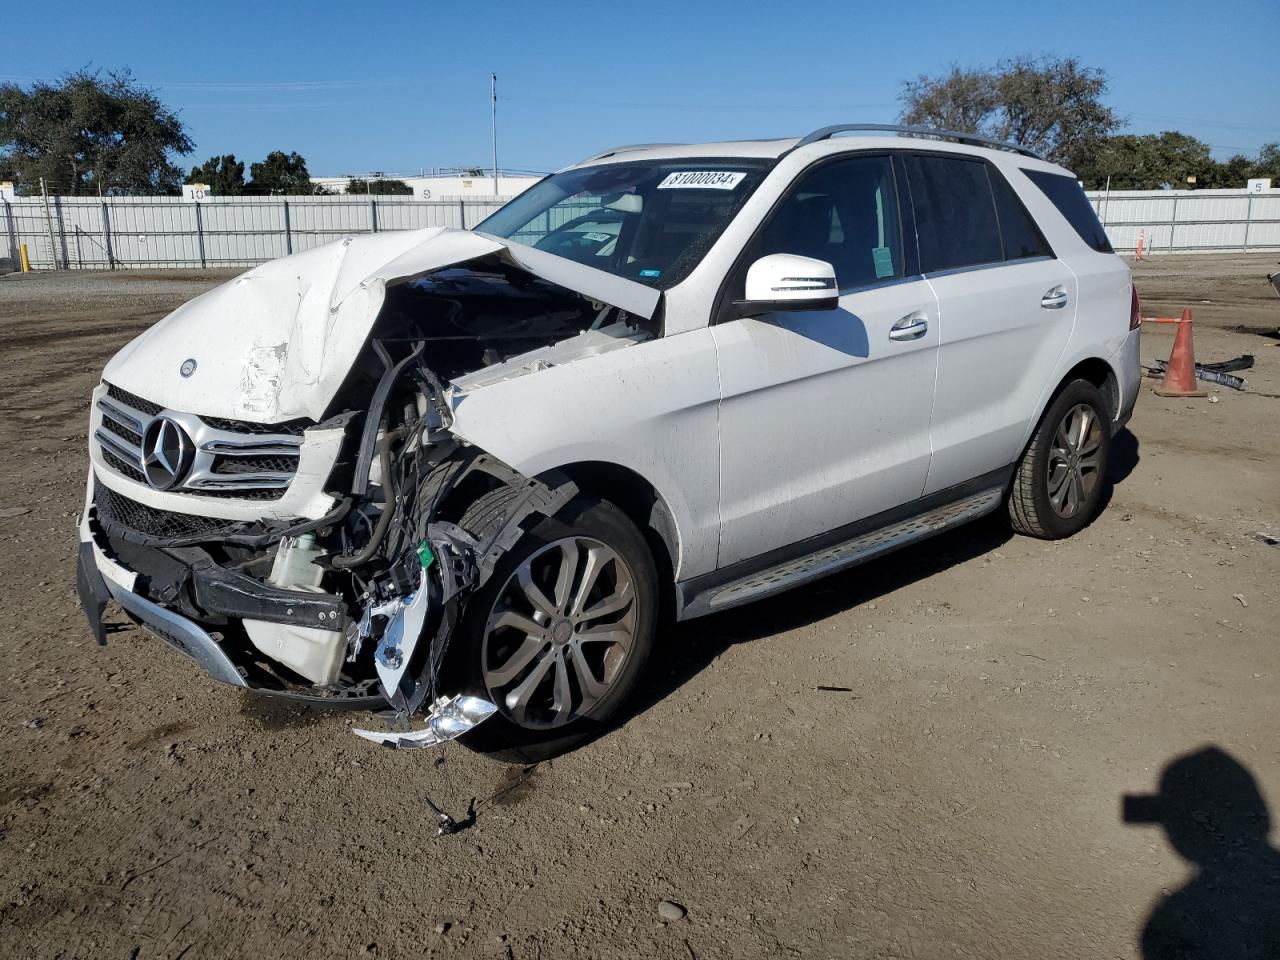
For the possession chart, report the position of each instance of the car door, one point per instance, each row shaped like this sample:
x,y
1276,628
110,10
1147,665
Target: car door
x,y
1006,308
824,416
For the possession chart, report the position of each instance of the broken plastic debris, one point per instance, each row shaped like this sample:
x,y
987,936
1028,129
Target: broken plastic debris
x,y
450,718
446,824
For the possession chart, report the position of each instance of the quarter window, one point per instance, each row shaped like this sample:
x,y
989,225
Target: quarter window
x,y
846,213
1068,196
956,222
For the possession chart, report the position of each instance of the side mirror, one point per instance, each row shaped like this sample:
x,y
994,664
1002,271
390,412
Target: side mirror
x,y
785,281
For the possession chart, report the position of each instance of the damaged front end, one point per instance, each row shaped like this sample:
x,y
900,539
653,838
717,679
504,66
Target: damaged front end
x,y
328,556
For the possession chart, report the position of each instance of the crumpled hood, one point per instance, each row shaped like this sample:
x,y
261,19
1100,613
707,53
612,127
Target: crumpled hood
x,y
275,343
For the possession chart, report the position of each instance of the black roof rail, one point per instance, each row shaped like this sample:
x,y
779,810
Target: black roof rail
x,y
972,139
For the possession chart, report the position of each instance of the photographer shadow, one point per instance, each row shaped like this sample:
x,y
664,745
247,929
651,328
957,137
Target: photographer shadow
x,y
1214,816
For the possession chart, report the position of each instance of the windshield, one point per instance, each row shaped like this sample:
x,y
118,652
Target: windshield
x,y
645,221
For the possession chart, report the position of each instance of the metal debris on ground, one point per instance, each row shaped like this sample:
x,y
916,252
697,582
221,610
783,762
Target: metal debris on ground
x,y
1268,539
1242,362
448,825
1213,372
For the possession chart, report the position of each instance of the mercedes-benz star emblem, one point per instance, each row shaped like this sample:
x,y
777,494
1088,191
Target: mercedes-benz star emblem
x,y
188,367
167,453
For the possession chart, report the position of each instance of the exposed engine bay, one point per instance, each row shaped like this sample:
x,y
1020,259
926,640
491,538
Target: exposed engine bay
x,y
358,606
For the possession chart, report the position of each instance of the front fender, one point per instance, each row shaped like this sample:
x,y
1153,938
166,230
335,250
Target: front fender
x,y
651,408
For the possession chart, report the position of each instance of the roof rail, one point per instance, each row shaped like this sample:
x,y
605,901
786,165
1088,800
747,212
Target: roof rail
x,y
972,139
625,149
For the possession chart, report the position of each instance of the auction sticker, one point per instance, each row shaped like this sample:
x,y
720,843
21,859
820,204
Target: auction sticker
x,y
702,180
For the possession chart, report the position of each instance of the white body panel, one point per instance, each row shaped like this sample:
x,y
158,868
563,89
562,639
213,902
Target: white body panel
x,y
998,348
275,343
1104,286
824,418
651,408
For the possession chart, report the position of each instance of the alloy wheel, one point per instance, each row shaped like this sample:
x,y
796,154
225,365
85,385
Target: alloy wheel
x,y
1074,460
560,632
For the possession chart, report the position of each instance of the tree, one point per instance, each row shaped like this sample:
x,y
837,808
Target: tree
x,y
1268,163
1150,162
377,187
281,173
1050,105
1233,172
90,133
224,175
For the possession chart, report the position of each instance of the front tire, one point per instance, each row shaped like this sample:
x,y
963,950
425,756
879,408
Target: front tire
x,y
559,635
1060,480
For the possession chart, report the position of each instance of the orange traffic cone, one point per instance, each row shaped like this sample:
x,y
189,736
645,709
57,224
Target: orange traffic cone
x,y
1142,236
1180,376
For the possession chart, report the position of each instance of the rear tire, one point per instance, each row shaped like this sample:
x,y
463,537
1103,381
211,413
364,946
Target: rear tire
x,y
534,640
1060,480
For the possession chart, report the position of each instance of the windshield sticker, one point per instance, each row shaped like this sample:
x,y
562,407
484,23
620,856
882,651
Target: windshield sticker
x,y
650,274
702,180
597,237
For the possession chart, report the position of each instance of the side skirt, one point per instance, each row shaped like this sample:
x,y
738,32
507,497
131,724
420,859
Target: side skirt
x,y
840,549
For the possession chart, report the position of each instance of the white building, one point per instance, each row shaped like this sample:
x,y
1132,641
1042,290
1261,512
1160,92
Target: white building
x,y
446,186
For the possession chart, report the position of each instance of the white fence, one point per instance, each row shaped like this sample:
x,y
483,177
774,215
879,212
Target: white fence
x,y
119,232
92,233
1191,221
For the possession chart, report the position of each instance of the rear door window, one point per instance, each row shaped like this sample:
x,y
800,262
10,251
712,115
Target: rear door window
x,y
956,222
1018,232
1068,196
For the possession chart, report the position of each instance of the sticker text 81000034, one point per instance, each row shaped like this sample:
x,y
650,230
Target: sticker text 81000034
x,y
702,180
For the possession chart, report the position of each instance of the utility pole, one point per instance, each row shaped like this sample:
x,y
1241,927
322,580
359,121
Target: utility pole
x,y
493,80
48,219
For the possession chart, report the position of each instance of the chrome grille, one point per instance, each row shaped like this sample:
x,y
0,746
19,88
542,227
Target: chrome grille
x,y
232,458
122,466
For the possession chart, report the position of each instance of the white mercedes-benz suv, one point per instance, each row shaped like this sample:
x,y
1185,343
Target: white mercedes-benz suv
x,y
461,475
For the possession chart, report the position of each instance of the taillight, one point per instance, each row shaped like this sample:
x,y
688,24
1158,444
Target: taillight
x,y
1135,311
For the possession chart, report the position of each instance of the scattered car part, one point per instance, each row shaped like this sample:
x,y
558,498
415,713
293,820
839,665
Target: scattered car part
x,y
448,719
1242,362
446,825
1209,373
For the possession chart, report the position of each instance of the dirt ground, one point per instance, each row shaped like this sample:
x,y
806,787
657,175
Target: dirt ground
x,y
924,757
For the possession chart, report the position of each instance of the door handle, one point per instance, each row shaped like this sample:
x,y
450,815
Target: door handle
x,y
1055,299
911,327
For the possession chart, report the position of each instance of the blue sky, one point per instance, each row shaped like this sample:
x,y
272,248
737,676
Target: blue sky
x,y
396,87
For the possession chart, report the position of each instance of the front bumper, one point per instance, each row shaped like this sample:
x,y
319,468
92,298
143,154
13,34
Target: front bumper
x,y
180,633
222,596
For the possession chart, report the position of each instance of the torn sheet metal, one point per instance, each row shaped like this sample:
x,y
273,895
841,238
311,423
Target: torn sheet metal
x,y
589,343
275,344
448,719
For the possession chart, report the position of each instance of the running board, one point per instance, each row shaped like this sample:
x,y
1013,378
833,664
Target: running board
x,y
861,548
